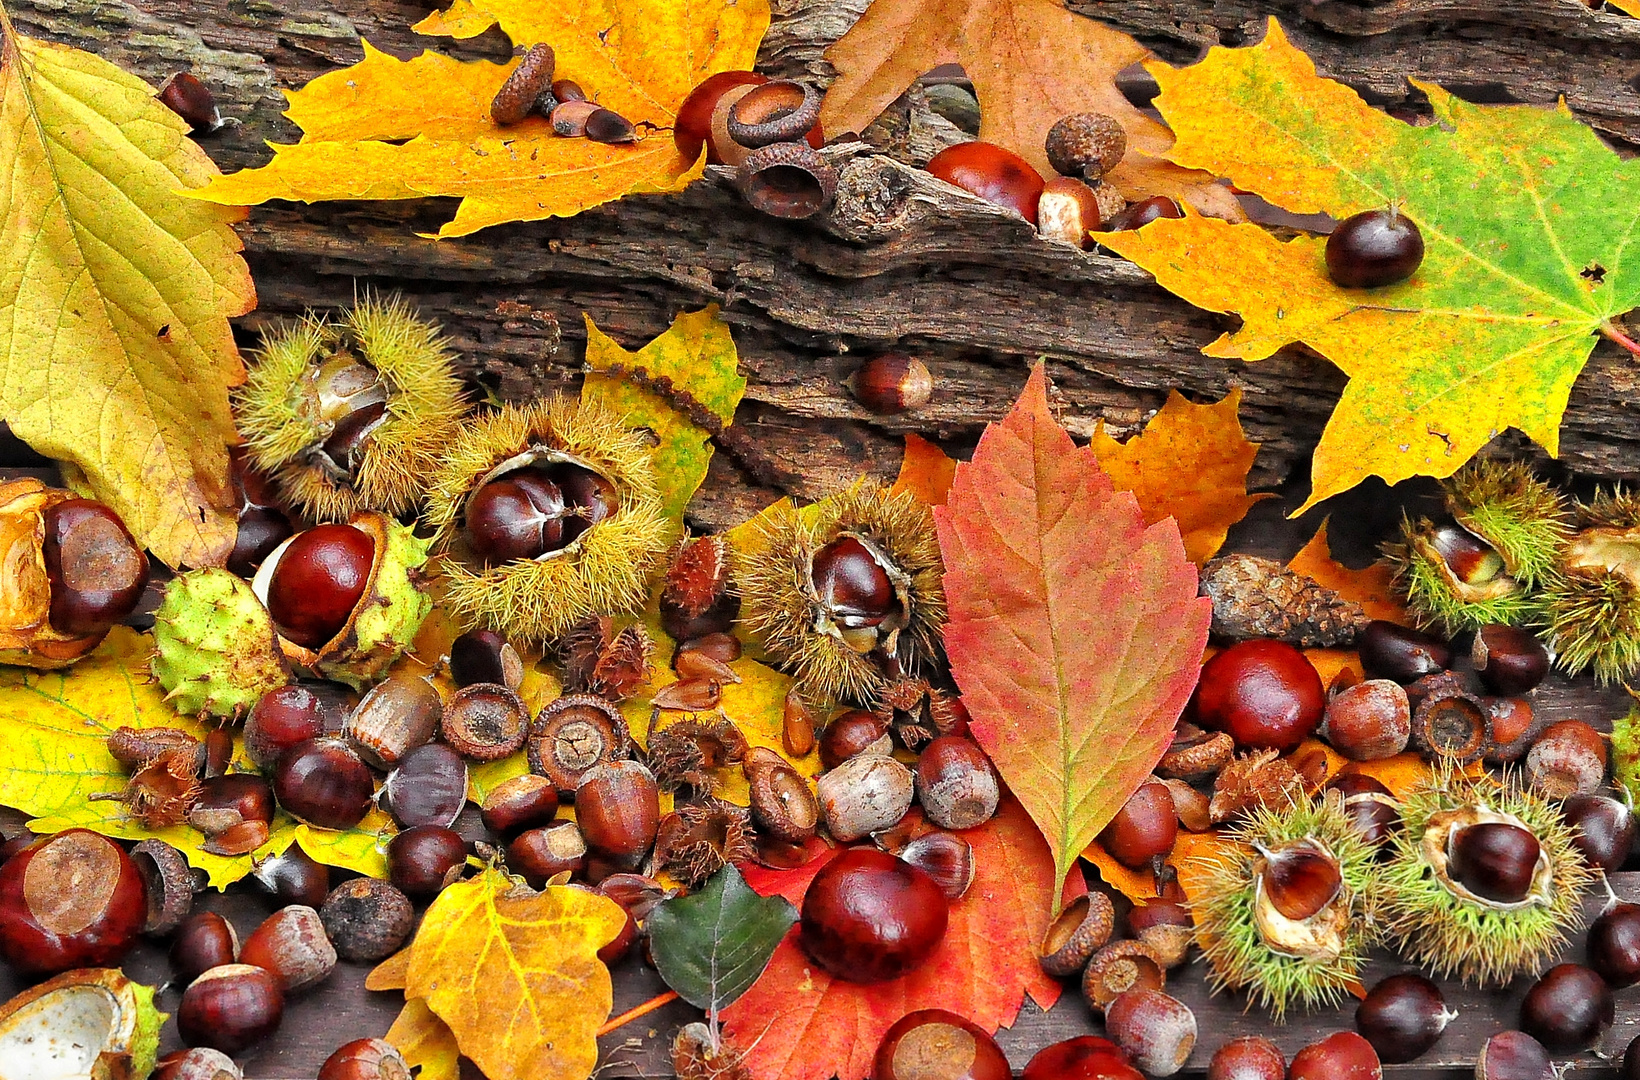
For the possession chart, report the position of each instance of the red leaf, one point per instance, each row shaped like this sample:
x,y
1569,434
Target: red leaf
x,y
798,1023
1075,632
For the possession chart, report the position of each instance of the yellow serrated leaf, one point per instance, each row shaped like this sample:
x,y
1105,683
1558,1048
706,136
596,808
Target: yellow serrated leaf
x,y
427,1041
362,849
516,976
115,349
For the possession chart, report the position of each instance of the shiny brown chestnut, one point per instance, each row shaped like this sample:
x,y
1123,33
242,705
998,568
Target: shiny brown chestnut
x,y
280,719
365,1059
425,858
293,877
1515,1055
1614,945
1263,693
854,732
1085,1057
956,785
1249,1057
543,853
1371,809
205,940
1143,212
318,581
891,383
1144,828
1495,860
1603,829
1399,653
932,1043
73,899
324,782
1567,1009
484,656
230,1008
1343,1055
869,917
428,787
1508,659
617,808
185,94
995,174
198,1063
523,802
1402,1017
1157,1031
96,569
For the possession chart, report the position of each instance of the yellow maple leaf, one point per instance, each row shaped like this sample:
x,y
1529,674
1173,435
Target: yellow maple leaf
x,y
427,1041
516,976
403,129
1190,463
115,349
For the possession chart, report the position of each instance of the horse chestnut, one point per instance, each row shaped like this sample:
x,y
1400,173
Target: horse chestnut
x,y
325,783
935,1043
1085,1057
318,581
97,571
1263,693
869,917
72,900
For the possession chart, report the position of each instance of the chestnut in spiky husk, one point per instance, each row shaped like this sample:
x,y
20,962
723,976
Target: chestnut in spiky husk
x,y
1288,914
69,570
216,652
1505,532
1592,605
351,415
845,590
548,514
1485,880
360,583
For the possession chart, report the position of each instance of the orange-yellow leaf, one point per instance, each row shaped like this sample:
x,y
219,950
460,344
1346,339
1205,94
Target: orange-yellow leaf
x,y
516,976
403,129
1190,463
1031,62
427,1041
1372,587
925,471
392,973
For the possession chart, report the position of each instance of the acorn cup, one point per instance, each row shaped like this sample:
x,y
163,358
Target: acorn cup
x,y
351,415
1287,914
1591,606
69,570
1485,880
847,593
546,514
1481,566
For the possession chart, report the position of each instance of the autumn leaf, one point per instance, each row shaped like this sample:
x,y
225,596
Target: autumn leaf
x,y
1031,62
698,355
925,471
115,351
404,129
1075,630
1190,463
1627,7
427,1041
711,945
798,1023
1372,588
515,974
1523,264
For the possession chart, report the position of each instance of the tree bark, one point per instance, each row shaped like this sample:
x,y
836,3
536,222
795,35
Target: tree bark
x,y
901,261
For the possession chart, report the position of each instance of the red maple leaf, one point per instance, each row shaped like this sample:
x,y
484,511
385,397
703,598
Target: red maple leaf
x,y
798,1023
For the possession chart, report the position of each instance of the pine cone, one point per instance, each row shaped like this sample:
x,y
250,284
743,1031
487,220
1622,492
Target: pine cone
x,y
1260,598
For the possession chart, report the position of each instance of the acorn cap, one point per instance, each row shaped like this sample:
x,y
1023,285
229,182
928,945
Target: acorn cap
x,y
26,636
786,180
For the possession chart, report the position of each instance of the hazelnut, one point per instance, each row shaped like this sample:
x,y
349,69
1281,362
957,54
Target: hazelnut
x,y
955,783
1087,144
617,807
863,795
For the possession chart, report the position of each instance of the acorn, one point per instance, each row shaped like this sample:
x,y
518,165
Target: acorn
x,y
1484,882
354,414
371,614
845,590
1502,540
548,514
1591,606
1287,914
216,652
69,570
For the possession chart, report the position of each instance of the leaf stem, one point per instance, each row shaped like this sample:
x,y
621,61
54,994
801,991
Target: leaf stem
x,y
659,1001
1609,330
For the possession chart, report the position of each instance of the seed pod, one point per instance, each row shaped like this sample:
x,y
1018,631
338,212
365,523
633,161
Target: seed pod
x,y
1451,725
168,883
1592,603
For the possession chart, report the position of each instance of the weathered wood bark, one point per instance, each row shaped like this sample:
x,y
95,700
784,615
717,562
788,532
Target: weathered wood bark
x,y
901,261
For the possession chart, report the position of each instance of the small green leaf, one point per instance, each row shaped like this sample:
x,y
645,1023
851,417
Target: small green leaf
x,y
712,945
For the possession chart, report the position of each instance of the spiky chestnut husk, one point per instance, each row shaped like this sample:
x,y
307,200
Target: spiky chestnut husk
x,y
387,616
1228,913
772,574
1439,928
285,424
1626,754
1591,606
215,649
27,638
604,571
1523,519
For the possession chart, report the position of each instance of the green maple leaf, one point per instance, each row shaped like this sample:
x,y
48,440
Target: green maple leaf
x,y
1531,228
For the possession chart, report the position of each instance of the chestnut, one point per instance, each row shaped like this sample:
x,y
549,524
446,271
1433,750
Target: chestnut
x,y
1399,653
1263,693
850,733
1143,212
999,176
229,800
1299,879
1495,860
1343,1055
292,944
692,128
932,1043
1085,1057
230,1008
1509,660
318,581
187,96
423,859
1155,1030
205,940
891,383
427,787
946,858
1402,1017
1144,828
1603,829
1614,945
366,919
1630,1069
70,900
1569,758
1067,211
869,917
1515,1055
617,807
955,783
96,569
851,584
484,656
294,877
1250,1057
199,1063
324,782
542,854
283,717
1371,809
1368,721
1567,1009
365,1059
523,802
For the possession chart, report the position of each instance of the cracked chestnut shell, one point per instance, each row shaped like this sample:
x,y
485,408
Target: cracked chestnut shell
x,y
869,917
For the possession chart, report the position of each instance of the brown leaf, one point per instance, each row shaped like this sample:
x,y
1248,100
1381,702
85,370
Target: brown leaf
x,y
1031,62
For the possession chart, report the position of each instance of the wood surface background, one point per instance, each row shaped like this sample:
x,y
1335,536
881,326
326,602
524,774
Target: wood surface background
x,y
902,262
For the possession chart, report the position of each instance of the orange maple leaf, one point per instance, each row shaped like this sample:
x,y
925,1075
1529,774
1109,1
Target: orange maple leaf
x,y
798,1023
1031,62
925,471
405,129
